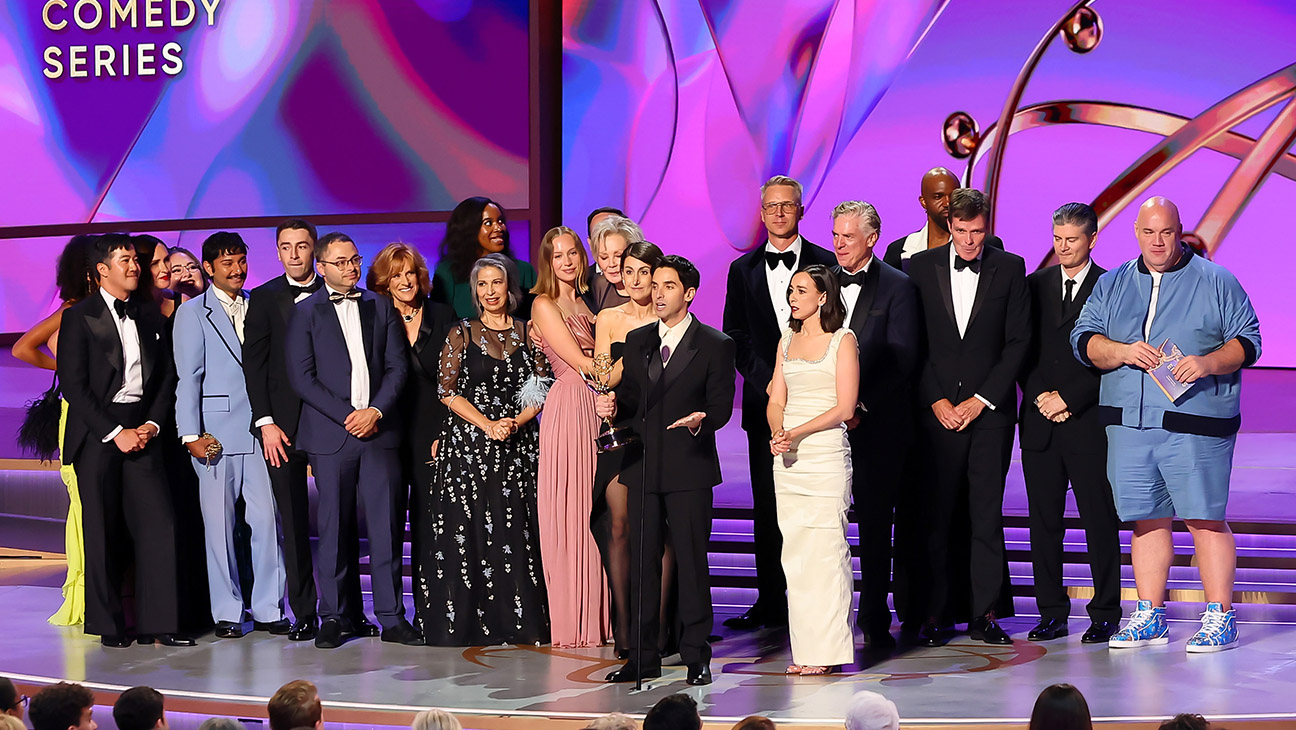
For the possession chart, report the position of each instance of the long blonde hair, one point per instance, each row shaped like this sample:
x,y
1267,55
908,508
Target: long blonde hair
x,y
546,278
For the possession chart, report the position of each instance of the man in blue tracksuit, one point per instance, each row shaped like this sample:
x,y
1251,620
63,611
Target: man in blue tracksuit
x,y
1171,457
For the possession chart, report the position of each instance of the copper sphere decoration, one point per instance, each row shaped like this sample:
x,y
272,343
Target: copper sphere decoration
x,y
1083,30
960,135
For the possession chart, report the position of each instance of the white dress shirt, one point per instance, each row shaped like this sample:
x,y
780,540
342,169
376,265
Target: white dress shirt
x,y
851,292
132,388
236,308
1152,304
293,282
671,336
779,278
963,288
348,313
1079,279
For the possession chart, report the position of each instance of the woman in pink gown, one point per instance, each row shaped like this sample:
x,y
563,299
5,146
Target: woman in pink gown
x,y
562,323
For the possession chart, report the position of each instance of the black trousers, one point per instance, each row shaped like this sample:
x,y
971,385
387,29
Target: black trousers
x,y
288,481
877,465
968,465
687,515
771,583
1047,474
127,519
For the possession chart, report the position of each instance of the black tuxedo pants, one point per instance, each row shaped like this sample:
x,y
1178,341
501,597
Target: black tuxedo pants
x,y
687,516
127,519
1047,474
771,583
288,482
878,462
969,465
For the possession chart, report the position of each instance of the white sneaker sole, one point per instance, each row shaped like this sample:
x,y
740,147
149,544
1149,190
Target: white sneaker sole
x,y
1204,649
1159,641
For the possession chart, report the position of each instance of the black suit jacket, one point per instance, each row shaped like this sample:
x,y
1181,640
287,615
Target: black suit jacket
x,y
699,377
426,412
750,321
91,368
1050,365
887,325
987,360
896,247
265,367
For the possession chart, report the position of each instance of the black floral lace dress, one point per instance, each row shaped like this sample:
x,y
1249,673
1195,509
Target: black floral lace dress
x,y
477,575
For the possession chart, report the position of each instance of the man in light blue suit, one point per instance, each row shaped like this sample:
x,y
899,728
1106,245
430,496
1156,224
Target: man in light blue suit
x,y
211,398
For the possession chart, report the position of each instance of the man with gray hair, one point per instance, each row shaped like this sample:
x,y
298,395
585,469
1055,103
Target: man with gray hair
x,y
871,711
756,312
882,310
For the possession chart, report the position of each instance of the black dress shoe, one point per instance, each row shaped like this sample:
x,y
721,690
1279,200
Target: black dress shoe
x,y
881,641
1048,629
403,633
631,672
750,619
229,630
360,626
986,628
275,628
699,674
177,640
115,641
304,630
330,634
932,635
1099,632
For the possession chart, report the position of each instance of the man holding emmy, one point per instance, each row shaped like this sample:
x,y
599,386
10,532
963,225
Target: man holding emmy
x,y
679,381
1172,332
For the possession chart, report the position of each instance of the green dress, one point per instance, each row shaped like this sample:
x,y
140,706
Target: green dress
x,y
459,294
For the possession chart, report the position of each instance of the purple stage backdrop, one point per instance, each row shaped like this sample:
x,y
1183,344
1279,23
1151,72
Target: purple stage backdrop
x,y
677,111
260,108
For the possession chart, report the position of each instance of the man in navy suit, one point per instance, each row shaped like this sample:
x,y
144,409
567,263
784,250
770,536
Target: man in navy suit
x,y
211,398
347,362
882,310
756,312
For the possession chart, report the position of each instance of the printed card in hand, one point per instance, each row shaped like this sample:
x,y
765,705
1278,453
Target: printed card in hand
x,y
1163,374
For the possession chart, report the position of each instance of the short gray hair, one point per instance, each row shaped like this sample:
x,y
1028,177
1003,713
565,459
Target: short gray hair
x,y
628,229
221,723
871,711
505,264
613,721
858,208
783,180
435,720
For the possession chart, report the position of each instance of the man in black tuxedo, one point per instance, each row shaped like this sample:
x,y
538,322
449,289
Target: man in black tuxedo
x,y
977,316
276,408
679,381
1062,437
934,198
882,310
346,359
756,312
118,378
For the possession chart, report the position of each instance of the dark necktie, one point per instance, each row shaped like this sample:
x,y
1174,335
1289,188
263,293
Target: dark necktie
x,y
787,258
961,263
339,298
124,309
665,353
1069,296
845,279
308,289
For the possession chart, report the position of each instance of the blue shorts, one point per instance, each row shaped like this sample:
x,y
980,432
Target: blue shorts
x,y
1157,473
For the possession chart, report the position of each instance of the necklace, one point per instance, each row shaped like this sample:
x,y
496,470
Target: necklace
x,y
409,317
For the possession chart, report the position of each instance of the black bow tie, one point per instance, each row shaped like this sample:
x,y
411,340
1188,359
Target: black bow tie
x,y
339,298
310,288
125,309
961,263
787,258
845,279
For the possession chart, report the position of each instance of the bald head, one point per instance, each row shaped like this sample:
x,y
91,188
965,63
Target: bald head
x,y
937,186
1159,230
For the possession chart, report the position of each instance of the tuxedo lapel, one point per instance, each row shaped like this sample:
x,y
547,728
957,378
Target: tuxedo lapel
x,y
1081,294
148,329
220,321
946,289
680,359
759,287
864,300
984,281
425,330
105,331
368,315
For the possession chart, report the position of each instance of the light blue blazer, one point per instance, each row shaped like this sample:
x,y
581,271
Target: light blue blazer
x,y
211,393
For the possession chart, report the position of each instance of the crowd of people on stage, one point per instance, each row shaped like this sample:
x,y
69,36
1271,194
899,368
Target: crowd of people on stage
x,y
297,706
887,381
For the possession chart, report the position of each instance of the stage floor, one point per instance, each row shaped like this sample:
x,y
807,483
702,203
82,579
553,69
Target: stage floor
x,y
962,682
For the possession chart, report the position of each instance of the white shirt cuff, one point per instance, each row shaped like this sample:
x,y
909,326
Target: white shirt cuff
x,y
188,439
262,422
987,403
375,410
154,425
112,435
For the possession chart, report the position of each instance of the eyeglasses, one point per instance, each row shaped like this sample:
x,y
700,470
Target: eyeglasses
x,y
785,206
191,268
23,701
344,264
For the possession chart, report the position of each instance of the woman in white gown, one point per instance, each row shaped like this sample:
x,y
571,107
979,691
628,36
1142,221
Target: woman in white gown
x,y
813,393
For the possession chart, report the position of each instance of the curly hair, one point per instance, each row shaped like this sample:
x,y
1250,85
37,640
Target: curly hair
x,y
74,274
460,246
59,706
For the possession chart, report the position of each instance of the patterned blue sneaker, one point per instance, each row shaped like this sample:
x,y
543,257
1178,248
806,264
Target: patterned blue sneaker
x,y
1146,627
1218,630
